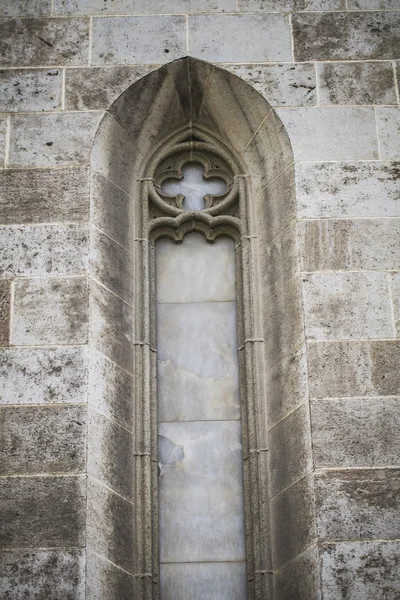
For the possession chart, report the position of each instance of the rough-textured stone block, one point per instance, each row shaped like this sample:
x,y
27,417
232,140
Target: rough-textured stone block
x,y
137,7
373,4
290,455
52,140
47,512
110,454
111,265
347,305
388,122
111,326
354,369
41,439
395,289
42,375
344,36
50,311
364,570
345,189
356,83
214,581
23,91
44,195
5,299
16,8
290,5
44,42
110,525
146,40
43,574
300,578
282,85
344,244
292,521
210,38
44,250
331,133
356,432
105,580
358,503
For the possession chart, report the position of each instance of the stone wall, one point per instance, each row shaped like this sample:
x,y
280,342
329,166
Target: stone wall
x,y
331,70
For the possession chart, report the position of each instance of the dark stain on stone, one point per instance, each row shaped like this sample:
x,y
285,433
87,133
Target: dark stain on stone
x,y
44,41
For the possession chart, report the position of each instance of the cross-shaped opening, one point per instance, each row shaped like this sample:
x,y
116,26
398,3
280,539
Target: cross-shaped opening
x,y
194,187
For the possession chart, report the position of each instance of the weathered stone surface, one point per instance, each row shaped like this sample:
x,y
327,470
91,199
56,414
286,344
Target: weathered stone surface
x,y
52,139
344,36
35,250
16,8
345,189
146,40
5,299
44,42
214,581
347,305
111,265
105,580
44,195
373,4
366,369
290,5
358,503
47,512
110,525
356,83
281,261
300,578
388,122
290,455
111,326
50,311
364,570
42,375
110,454
137,7
282,85
356,432
41,439
395,289
110,390
343,244
43,574
210,38
292,521
22,90
331,133
3,127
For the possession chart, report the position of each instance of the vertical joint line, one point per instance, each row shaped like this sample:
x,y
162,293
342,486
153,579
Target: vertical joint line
x,y
187,34
11,312
90,40
63,89
317,80
392,304
291,34
396,82
346,4
377,134
52,8
7,141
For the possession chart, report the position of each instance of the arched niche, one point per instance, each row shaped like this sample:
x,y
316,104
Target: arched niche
x,y
200,108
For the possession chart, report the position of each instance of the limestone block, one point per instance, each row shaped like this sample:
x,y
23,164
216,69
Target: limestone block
x,y
346,36
44,195
205,522
367,570
110,454
354,369
137,7
292,521
44,42
388,122
275,210
282,85
331,133
210,38
344,244
16,8
290,5
280,261
358,503
22,90
214,581
5,299
110,390
374,4
347,305
105,580
138,40
38,574
35,250
50,311
52,139
346,189
110,326
111,265
42,439
110,525
395,289
43,375
300,577
356,83
46,512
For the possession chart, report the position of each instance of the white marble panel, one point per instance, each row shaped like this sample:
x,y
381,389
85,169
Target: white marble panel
x,y
197,361
195,271
201,492
204,581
